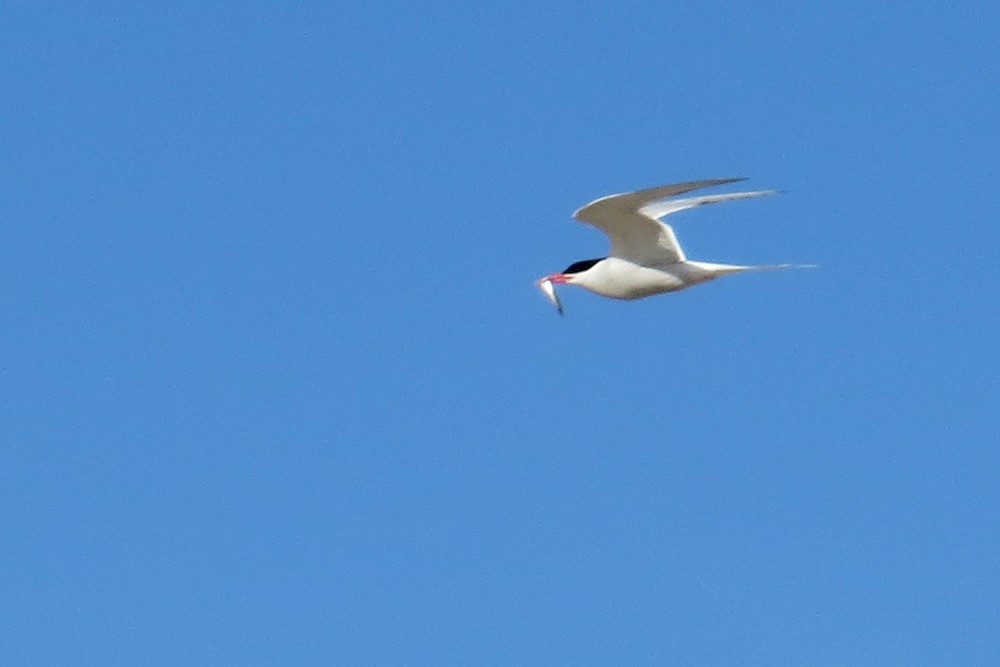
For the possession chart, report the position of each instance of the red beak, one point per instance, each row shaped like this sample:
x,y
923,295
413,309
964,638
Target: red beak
x,y
557,278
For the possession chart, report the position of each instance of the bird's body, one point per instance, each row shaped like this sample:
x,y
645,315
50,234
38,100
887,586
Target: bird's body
x,y
645,257
621,279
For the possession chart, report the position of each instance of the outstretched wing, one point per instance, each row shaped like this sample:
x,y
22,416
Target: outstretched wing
x,y
630,219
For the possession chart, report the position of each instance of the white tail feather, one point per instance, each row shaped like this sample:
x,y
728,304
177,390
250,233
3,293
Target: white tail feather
x,y
769,267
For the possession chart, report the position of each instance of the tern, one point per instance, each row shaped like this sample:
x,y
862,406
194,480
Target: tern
x,y
645,257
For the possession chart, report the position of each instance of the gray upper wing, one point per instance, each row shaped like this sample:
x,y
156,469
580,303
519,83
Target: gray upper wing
x,y
635,236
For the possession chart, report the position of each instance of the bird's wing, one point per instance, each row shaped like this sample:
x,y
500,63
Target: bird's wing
x,y
658,209
630,219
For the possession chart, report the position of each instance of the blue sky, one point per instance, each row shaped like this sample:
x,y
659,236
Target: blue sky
x,y
278,388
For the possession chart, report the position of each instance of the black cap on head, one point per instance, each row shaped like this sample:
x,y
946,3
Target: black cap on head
x,y
582,265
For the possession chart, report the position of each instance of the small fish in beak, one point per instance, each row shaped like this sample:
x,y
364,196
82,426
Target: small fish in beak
x,y
549,290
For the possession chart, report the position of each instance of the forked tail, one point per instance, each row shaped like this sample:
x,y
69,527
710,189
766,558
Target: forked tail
x,y
702,271
769,267
725,269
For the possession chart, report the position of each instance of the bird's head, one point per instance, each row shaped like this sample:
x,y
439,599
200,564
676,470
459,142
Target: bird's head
x,y
567,277
571,273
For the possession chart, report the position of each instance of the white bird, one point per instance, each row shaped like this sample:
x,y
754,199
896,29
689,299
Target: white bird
x,y
645,257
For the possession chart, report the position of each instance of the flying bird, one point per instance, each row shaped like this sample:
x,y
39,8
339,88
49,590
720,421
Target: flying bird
x,y
645,257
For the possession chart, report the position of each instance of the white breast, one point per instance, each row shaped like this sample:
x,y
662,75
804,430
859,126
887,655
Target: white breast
x,y
620,279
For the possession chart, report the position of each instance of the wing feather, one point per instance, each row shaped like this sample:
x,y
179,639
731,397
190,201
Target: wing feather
x,y
634,234
658,209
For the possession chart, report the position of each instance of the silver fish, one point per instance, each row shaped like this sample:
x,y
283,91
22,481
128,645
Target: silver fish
x,y
549,290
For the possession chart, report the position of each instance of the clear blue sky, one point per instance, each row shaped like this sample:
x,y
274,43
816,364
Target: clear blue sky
x,y
278,389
